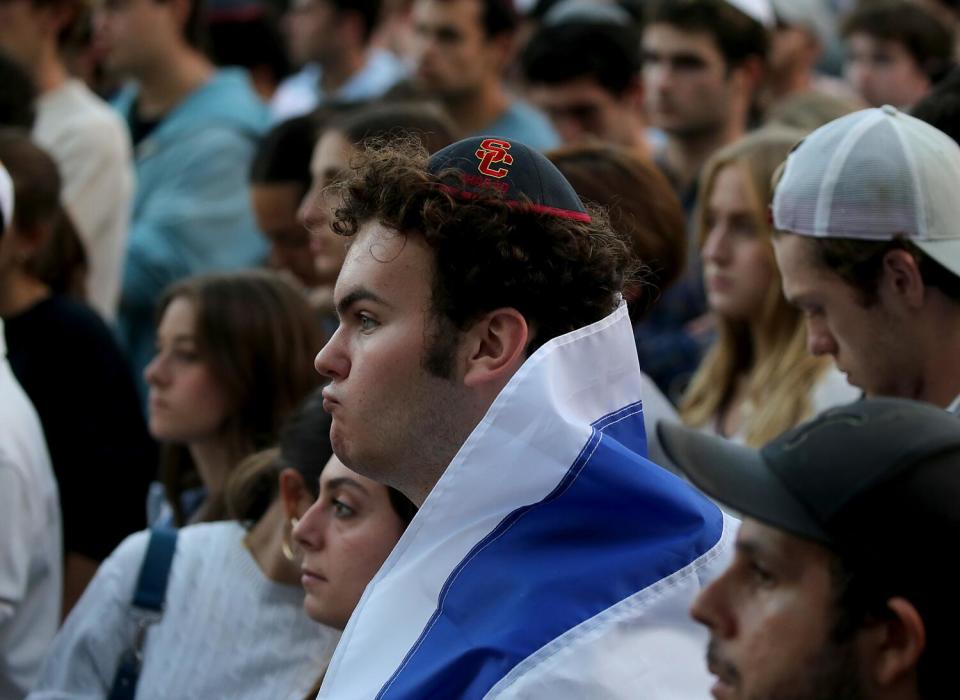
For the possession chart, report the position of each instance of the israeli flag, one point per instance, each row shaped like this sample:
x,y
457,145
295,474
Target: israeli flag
x,y
552,559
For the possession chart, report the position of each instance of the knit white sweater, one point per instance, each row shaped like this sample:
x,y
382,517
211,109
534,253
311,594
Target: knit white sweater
x,y
227,631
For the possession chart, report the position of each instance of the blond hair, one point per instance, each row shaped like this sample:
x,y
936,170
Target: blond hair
x,y
778,383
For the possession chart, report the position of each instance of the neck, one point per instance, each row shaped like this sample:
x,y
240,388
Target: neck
x,y
265,542
19,291
686,156
797,80
939,378
475,111
49,72
165,85
455,413
339,70
214,462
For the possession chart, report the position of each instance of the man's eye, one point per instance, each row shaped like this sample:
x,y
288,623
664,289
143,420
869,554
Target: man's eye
x,y
367,323
760,575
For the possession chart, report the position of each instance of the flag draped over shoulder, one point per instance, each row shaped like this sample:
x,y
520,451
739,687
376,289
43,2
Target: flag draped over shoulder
x,y
552,559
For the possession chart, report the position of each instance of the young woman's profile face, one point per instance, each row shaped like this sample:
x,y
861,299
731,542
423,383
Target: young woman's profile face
x,y
186,404
345,536
738,263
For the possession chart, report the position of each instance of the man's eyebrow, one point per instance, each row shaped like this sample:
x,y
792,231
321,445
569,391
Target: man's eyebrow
x,y
355,297
748,548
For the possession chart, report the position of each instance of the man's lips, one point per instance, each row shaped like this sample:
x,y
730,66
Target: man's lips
x,y
329,401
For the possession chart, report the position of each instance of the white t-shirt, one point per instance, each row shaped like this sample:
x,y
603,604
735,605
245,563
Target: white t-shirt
x,y
91,146
227,630
31,550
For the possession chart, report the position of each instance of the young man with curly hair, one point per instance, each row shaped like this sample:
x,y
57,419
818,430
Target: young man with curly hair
x,y
485,367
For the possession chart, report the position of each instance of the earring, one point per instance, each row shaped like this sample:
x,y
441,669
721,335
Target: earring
x,y
285,544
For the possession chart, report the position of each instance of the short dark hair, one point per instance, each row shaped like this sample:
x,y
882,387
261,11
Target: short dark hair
x,y
559,273
941,106
369,11
17,94
860,264
737,35
283,154
248,36
605,52
921,32
499,17
424,120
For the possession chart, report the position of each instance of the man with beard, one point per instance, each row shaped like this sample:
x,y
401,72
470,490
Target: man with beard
x,y
485,366
834,592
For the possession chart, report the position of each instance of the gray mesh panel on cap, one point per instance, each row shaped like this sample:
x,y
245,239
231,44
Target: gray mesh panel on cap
x,y
874,174
874,196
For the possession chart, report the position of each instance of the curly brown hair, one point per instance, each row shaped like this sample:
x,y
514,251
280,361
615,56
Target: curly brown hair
x,y
491,253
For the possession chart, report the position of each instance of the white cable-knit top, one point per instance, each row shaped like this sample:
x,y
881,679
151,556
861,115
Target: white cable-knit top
x,y
227,631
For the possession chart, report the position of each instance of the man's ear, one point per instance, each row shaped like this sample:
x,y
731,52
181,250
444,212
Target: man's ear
x,y
633,96
181,12
896,644
495,346
29,240
501,50
294,493
749,75
901,275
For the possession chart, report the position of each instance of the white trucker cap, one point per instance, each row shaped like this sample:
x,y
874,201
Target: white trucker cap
x,y
876,174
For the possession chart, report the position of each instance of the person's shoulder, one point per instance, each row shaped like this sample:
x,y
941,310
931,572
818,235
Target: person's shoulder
x,y
59,316
226,99
203,539
74,120
526,124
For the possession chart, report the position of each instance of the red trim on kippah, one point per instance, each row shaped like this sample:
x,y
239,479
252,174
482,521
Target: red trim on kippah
x,y
539,208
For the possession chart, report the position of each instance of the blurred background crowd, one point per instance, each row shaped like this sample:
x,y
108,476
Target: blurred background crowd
x,y
167,258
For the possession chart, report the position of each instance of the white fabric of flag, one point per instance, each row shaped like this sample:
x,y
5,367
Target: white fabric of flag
x,y
552,559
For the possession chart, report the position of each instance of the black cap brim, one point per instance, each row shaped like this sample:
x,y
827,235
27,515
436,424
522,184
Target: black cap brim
x,y
737,477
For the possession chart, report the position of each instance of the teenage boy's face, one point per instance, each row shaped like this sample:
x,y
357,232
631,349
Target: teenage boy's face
x,y
882,71
772,616
868,343
383,399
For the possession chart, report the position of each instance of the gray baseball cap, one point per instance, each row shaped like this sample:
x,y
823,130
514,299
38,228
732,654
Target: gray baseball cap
x,y
809,480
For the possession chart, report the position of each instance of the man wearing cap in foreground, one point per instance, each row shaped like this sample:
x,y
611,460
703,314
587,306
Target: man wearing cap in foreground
x,y
484,366
867,222
835,591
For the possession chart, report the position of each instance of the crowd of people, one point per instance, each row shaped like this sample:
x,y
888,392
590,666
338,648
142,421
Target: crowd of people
x,y
411,349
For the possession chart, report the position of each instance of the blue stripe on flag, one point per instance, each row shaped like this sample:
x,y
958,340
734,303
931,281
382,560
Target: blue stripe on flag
x,y
615,524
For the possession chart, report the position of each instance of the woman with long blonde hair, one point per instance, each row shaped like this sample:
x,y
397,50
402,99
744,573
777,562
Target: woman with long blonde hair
x,y
758,379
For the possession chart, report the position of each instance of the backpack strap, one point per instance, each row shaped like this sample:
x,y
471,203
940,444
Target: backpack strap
x,y
148,600
155,571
